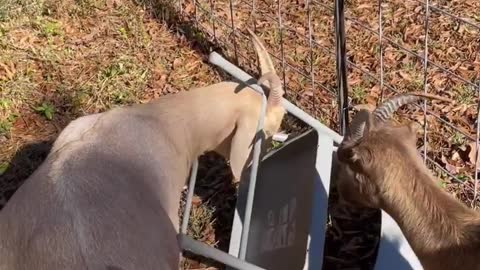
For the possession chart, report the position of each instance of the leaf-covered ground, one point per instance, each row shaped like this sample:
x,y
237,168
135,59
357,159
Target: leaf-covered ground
x,y
63,59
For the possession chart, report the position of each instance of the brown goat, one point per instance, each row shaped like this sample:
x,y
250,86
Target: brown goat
x,y
107,196
381,168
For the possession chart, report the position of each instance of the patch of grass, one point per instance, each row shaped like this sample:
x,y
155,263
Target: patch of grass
x,y
80,100
409,66
441,175
465,95
123,32
45,109
84,8
122,97
442,184
112,71
462,177
12,8
277,34
201,220
6,124
3,14
47,27
51,28
5,104
276,145
457,138
3,31
358,94
416,81
3,167
7,116
5,127
120,82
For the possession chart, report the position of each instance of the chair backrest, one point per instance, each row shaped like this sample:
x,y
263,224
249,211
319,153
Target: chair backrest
x,y
284,198
290,198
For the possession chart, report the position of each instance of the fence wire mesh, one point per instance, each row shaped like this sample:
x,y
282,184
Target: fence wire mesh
x,y
392,47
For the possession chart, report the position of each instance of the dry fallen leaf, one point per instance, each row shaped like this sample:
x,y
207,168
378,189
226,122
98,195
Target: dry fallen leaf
x,y
405,76
9,70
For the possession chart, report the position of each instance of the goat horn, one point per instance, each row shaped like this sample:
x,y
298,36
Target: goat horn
x,y
386,110
276,89
381,114
266,64
268,71
357,126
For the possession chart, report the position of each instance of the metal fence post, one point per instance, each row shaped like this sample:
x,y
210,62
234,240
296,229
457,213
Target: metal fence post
x,y
341,54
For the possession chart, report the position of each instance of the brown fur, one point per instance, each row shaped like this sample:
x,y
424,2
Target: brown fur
x,y
108,194
383,170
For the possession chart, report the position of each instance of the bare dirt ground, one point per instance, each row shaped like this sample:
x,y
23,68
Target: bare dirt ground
x,y
63,59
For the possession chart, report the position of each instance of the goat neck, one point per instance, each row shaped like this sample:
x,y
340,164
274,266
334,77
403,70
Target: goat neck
x,y
430,218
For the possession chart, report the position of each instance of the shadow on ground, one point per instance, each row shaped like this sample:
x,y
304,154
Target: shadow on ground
x,y
22,165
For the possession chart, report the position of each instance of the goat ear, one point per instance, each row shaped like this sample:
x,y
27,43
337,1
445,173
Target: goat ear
x,y
241,146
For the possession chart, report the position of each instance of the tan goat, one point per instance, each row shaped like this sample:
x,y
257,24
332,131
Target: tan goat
x,y
381,168
107,196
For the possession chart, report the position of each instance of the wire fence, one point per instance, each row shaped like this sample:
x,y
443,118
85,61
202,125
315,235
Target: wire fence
x,y
334,55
